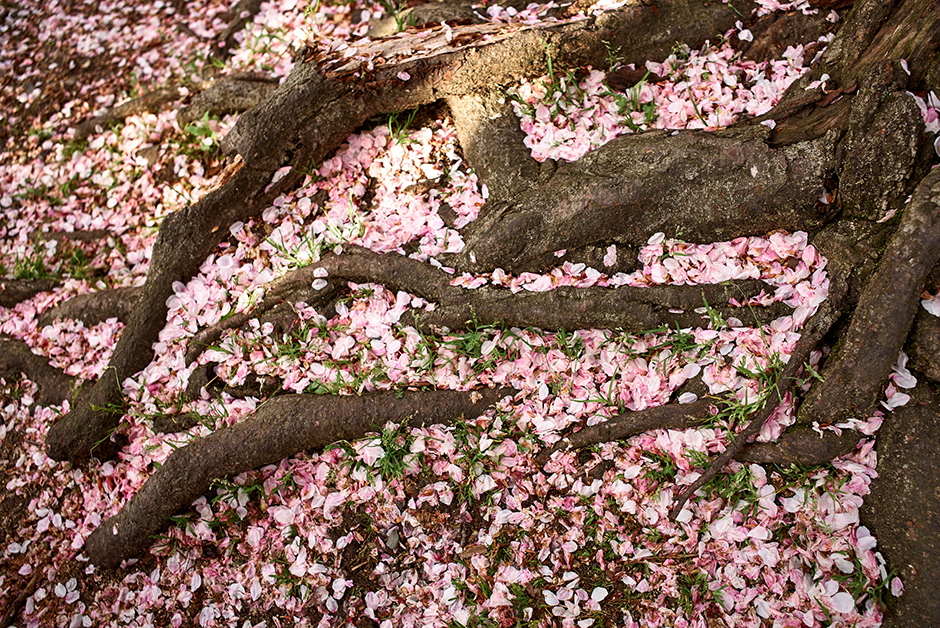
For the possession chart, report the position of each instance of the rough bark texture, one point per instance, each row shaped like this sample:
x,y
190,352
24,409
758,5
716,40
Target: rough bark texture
x,y
632,310
322,101
848,389
861,138
903,510
708,186
623,426
811,335
923,345
280,428
491,139
95,307
885,132
17,358
177,256
12,291
151,102
239,92
627,308
801,446
319,104
875,31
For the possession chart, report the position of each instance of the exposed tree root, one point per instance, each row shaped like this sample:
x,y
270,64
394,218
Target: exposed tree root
x,y
713,186
923,345
177,256
637,185
320,104
357,264
16,357
95,307
242,13
13,291
632,310
151,102
773,33
232,94
675,416
855,374
876,31
491,140
279,428
323,100
172,423
628,308
426,13
10,615
204,377
242,90
801,446
672,416
83,235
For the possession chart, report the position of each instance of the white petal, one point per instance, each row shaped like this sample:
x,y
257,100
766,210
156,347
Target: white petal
x,y
843,602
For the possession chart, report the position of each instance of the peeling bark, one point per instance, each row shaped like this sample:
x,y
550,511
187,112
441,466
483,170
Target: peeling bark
x,y
318,105
322,101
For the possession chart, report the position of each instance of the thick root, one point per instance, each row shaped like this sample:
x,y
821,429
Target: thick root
x,y
16,358
282,427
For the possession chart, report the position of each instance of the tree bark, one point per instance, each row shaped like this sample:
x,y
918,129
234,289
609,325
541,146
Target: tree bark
x,y
861,137
281,427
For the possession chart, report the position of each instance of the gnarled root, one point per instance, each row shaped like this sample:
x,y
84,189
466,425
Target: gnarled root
x,y
16,357
631,309
279,428
882,320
